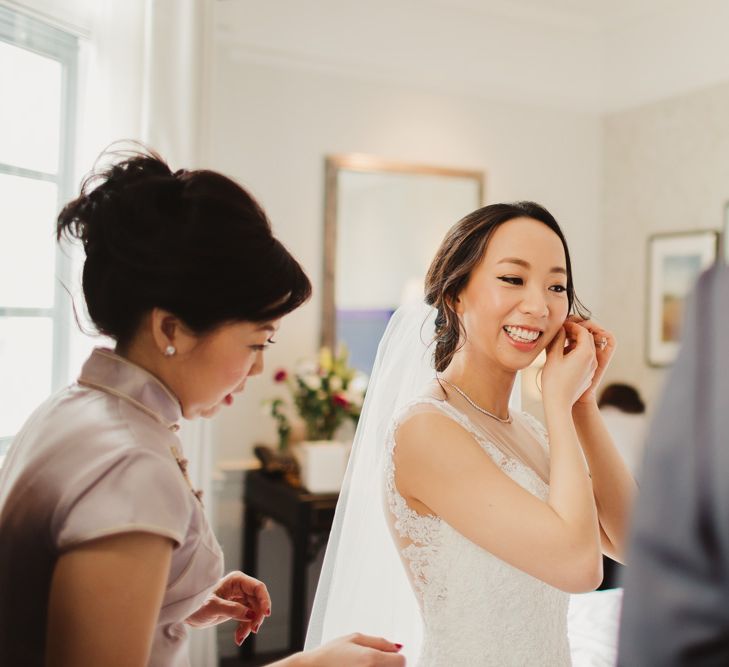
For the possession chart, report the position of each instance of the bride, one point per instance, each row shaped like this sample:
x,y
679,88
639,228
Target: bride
x,y
463,524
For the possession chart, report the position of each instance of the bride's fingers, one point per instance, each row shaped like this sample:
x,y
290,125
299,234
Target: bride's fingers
x,y
576,333
579,337
599,333
590,325
603,338
556,345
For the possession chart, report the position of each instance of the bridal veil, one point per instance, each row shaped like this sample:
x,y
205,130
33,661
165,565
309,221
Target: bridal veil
x,y
363,586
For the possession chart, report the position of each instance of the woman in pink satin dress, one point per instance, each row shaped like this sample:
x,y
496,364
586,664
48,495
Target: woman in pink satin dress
x,y
106,557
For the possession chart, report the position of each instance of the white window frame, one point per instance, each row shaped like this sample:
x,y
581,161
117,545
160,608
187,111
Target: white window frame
x,y
20,30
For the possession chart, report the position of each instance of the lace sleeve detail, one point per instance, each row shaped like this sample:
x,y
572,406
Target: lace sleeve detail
x,y
422,536
408,523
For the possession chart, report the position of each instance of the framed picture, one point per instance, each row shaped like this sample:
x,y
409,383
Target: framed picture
x,y
674,263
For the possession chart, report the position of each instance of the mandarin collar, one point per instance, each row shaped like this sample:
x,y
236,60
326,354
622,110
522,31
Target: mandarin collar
x,y
109,372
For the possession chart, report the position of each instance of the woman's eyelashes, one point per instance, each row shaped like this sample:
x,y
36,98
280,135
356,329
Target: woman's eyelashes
x,y
260,348
516,280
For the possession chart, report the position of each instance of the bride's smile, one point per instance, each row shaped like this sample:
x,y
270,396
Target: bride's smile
x,y
516,298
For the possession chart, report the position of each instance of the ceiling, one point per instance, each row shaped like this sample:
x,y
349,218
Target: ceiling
x,y
591,14
587,55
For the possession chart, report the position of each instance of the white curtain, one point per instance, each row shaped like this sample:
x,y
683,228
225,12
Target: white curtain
x,y
141,71
174,56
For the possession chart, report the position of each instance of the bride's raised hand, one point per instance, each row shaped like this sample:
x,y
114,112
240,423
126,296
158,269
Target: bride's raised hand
x,y
570,367
604,350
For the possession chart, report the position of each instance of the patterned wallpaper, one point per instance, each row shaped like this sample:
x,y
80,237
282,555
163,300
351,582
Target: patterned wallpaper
x,y
666,169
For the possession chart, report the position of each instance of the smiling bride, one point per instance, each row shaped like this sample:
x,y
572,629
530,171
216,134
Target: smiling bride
x,y
482,522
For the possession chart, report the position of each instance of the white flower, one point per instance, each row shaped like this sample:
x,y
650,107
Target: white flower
x,y
359,383
312,381
335,383
353,397
306,367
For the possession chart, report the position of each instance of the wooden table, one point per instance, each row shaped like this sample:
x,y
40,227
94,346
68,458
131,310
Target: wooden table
x,y
307,518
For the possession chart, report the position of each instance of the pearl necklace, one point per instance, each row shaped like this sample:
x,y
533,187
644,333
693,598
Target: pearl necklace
x,y
508,420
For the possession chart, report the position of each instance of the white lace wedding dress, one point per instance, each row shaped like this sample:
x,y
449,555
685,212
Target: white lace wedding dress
x,y
476,609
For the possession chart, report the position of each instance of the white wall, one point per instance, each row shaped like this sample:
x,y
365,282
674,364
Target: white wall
x,y
270,127
677,48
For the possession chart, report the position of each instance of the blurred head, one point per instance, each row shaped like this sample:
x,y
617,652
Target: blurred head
x,y
185,259
622,396
501,282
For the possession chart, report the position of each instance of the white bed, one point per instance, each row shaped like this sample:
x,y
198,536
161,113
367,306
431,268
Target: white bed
x,y
593,622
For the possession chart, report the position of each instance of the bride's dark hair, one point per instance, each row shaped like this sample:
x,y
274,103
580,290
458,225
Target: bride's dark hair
x,y
459,253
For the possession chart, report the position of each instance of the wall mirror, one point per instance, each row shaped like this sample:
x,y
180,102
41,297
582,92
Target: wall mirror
x,y
383,223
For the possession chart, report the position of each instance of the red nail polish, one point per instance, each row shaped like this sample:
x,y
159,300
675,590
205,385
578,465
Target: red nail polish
x,y
268,612
398,646
250,614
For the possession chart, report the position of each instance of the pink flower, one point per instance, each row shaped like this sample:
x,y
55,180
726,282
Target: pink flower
x,y
341,400
280,375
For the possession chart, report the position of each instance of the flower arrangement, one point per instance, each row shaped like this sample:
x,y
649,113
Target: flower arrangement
x,y
324,394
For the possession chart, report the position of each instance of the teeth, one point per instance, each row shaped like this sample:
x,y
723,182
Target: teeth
x,y
522,335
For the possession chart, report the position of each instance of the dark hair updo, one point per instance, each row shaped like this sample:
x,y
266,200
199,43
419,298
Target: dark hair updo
x,y
194,243
622,396
460,252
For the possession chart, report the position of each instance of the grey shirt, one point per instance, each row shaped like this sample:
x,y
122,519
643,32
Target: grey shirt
x,y
97,459
676,608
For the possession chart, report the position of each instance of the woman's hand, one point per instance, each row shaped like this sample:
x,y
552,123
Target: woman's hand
x,y
354,650
571,364
603,354
239,597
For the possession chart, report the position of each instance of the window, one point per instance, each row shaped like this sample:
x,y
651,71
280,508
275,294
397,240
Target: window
x,y
38,70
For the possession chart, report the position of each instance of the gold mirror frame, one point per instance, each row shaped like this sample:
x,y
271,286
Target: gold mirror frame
x,y
363,163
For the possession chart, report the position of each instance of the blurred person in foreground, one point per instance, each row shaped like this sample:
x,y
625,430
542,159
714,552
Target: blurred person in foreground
x,y
676,609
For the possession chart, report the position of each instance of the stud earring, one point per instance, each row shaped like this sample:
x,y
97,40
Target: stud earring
x,y
170,351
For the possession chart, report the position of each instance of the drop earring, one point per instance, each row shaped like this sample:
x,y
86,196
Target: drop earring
x,y
170,351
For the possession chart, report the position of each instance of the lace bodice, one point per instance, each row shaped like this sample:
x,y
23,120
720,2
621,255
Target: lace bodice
x,y
477,609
